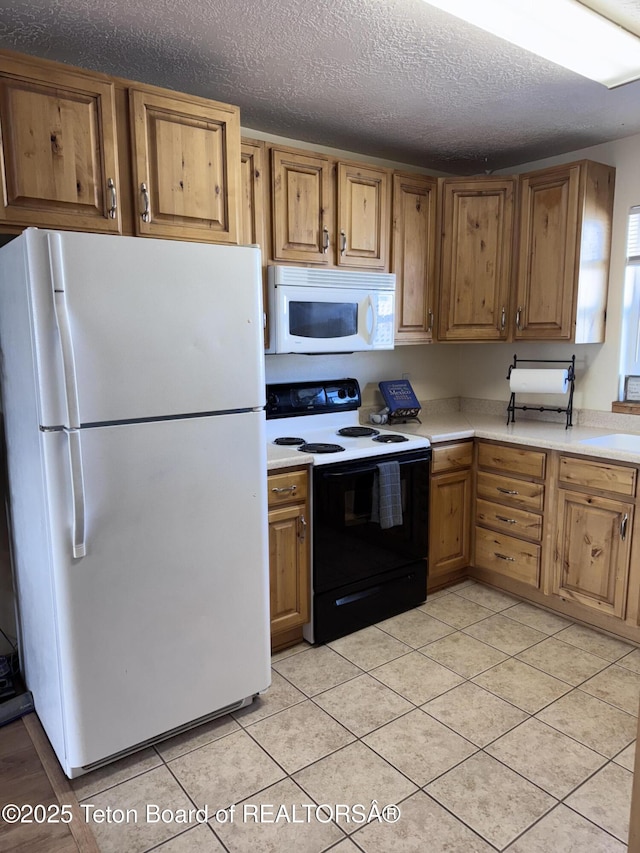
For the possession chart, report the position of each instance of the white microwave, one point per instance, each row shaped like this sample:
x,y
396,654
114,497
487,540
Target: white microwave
x,y
330,310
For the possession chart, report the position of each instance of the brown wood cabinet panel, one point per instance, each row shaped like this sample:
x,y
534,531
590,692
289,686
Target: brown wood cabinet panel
x,y
186,165
475,263
413,256
449,523
513,521
451,457
363,216
288,568
512,460
252,209
302,206
592,551
287,487
514,558
509,491
564,249
604,476
59,148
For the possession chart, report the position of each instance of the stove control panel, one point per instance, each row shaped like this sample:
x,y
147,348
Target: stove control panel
x,y
289,399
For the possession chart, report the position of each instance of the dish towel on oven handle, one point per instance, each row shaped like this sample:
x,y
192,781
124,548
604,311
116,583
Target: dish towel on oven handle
x,y
386,503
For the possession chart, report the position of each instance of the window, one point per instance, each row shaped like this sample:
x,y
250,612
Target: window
x,y
630,349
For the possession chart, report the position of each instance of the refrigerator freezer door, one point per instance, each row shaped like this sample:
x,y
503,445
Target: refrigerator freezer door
x,y
155,327
166,618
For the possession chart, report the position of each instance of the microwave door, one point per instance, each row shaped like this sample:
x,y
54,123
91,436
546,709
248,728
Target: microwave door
x,y
323,320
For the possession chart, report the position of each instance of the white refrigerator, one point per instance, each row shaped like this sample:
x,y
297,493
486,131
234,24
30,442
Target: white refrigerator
x,y
133,394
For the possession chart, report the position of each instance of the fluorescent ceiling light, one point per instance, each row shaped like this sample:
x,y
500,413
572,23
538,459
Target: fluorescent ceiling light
x,y
562,31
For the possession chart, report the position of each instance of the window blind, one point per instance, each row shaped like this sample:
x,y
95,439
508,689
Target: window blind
x,y
633,237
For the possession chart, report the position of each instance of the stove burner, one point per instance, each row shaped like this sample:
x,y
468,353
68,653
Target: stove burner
x,y
320,448
358,431
288,440
390,438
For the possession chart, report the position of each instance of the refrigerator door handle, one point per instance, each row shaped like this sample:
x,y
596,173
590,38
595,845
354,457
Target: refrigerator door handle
x,y
64,327
78,543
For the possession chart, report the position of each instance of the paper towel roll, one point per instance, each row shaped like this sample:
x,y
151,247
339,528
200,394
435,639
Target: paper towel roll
x,y
539,381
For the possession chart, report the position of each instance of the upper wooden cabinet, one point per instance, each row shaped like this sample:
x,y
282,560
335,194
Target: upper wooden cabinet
x,y
186,167
59,160
304,189
413,256
301,207
477,221
252,189
563,263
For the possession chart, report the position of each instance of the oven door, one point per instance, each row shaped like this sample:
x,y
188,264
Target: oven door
x,y
348,544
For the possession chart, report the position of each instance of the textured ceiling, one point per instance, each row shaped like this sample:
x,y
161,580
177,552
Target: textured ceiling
x,y
391,78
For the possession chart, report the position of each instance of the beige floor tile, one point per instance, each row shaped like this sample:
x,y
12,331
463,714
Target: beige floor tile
x,y
616,685
474,713
434,596
279,696
563,661
486,596
494,801
505,634
537,618
199,839
631,661
463,654
354,775
363,704
316,669
369,647
416,677
593,641
257,826
225,771
299,735
138,833
415,628
423,826
119,771
627,757
605,799
522,685
194,738
564,831
419,746
292,650
467,582
596,724
546,757
346,846
456,611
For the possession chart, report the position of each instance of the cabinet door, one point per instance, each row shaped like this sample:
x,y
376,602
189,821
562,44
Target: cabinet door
x,y
252,221
449,523
413,256
59,162
363,216
301,196
592,551
475,268
288,568
186,166
548,252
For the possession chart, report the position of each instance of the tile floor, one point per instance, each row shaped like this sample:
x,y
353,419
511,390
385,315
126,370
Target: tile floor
x,y
494,725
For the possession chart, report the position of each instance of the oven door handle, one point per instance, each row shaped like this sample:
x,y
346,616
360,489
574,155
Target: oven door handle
x,y
365,469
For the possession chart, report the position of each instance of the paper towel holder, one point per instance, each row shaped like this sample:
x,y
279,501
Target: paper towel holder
x,y
571,377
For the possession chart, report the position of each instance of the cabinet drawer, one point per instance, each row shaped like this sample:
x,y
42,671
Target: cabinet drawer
x,y
287,486
512,460
515,522
451,458
507,555
598,475
505,490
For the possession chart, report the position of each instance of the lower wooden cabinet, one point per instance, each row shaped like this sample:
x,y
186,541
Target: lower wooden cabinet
x,y
450,512
289,560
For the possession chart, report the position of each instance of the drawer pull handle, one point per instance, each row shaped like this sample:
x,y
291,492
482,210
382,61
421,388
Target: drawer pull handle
x,y
506,520
283,489
507,491
623,526
504,557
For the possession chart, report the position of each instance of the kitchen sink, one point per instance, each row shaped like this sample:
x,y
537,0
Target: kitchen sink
x,y
615,441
